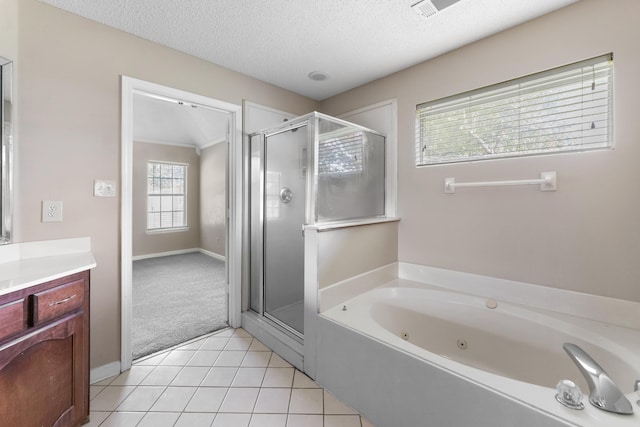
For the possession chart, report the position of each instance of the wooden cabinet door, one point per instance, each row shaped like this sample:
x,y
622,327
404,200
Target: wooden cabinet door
x,y
39,376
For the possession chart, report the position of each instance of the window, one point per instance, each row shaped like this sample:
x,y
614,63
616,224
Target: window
x,y
166,196
341,155
564,109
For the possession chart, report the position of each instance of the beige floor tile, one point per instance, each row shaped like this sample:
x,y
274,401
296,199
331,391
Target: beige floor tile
x,y
220,376
256,359
273,401
365,422
258,346
240,400
300,380
141,399
306,401
105,381
173,399
109,398
299,420
159,419
161,375
231,420
238,343
333,406
248,377
278,377
228,332
123,419
177,358
204,358
195,420
206,399
215,343
96,418
133,376
190,376
278,362
94,390
241,333
342,421
268,420
230,358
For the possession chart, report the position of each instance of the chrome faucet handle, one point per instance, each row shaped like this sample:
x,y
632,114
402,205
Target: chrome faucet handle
x,y
603,392
636,387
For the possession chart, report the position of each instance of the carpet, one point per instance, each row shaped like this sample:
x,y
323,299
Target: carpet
x,y
176,298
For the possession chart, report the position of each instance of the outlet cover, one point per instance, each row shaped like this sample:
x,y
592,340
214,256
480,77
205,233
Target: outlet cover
x,y
102,188
51,211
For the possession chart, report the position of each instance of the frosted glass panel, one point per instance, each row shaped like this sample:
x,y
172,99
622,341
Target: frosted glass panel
x,y
283,219
351,172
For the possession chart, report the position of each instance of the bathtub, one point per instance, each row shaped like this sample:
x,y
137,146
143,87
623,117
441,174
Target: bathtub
x,y
409,354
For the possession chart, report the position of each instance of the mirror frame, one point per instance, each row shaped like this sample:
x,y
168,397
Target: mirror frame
x,y
7,134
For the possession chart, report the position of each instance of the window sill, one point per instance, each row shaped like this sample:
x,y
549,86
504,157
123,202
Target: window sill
x,y
168,230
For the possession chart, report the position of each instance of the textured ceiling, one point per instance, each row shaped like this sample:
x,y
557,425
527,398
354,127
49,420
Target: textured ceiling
x,y
282,41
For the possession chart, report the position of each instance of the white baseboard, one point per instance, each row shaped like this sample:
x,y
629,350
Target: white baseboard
x,y
161,254
213,255
179,252
103,372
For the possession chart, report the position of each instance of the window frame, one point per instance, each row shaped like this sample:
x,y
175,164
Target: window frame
x,y
184,194
472,102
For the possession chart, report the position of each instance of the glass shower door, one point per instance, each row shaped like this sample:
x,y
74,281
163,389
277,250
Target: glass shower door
x,y
284,198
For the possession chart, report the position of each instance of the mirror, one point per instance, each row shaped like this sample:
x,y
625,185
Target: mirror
x,y
6,177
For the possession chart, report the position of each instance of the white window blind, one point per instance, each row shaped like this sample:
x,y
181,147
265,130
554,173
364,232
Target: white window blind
x,y
341,155
564,109
166,196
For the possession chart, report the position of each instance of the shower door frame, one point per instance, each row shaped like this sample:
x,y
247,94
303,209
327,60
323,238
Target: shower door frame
x,y
257,221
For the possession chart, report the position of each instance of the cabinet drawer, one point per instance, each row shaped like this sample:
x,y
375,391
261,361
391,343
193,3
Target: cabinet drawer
x,y
12,318
55,302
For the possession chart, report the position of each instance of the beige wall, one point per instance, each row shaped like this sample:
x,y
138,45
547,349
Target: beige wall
x,y
154,243
213,190
350,251
584,237
68,91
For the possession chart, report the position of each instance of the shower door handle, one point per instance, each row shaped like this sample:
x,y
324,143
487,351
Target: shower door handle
x,y
286,195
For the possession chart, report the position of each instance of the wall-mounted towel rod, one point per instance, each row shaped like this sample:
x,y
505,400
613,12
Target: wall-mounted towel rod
x,y
547,182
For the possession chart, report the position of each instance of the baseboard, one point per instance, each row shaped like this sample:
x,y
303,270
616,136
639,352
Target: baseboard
x,y
213,255
103,372
179,252
161,254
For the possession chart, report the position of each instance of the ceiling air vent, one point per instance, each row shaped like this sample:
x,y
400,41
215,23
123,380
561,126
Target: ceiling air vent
x,y
429,7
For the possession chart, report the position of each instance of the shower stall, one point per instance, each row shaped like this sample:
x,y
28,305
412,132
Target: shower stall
x,y
311,170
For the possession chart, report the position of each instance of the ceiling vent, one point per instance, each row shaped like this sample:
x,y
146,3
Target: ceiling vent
x,y
427,8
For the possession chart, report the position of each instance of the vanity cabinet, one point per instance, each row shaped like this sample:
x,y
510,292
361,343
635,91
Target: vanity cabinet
x,y
44,354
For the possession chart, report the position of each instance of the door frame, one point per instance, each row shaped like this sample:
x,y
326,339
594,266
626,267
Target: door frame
x,y
233,209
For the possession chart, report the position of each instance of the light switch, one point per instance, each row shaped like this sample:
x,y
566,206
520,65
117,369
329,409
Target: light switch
x,y
51,211
103,188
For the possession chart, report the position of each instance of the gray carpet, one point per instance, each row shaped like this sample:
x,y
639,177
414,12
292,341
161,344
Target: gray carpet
x,y
176,298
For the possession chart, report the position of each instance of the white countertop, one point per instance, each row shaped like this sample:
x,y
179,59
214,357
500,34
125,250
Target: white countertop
x,y
26,264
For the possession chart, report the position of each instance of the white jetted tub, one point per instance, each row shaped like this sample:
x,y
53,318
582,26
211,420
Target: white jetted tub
x,y
407,354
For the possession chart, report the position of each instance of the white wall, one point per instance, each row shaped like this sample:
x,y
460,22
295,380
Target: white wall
x,y
583,237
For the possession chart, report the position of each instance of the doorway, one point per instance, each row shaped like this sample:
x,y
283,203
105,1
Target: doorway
x,y
176,228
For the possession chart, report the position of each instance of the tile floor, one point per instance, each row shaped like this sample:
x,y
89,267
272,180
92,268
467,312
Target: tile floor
x,y
227,379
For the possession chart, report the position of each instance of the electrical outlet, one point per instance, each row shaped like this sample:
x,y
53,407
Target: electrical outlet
x,y
103,188
51,211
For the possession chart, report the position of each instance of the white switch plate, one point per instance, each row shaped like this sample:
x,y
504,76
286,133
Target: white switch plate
x,y
102,188
51,211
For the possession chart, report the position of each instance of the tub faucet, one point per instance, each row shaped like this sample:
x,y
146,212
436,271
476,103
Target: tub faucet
x,y
603,392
